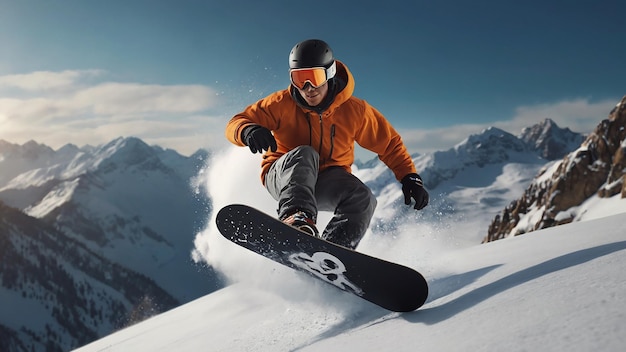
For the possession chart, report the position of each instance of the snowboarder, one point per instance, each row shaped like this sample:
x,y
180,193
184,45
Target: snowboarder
x,y
308,132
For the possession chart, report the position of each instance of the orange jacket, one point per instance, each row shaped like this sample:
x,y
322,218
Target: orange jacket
x,y
332,133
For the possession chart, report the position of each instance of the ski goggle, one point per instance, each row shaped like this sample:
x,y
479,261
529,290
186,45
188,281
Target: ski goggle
x,y
316,76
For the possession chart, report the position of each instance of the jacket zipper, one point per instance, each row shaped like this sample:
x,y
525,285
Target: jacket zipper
x,y
332,137
308,120
321,134
332,140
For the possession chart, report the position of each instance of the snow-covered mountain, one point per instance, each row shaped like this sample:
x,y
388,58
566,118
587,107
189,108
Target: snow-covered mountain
x,y
133,205
596,170
16,159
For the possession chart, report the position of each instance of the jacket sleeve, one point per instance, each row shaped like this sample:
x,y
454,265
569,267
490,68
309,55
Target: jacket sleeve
x,y
260,113
377,135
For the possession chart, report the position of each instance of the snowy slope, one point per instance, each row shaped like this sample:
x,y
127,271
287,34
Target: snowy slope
x,y
556,289
559,289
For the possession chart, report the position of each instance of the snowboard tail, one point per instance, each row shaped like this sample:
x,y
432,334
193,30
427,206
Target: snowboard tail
x,y
389,285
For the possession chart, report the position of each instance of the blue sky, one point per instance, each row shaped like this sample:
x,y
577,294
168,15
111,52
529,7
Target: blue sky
x,y
174,72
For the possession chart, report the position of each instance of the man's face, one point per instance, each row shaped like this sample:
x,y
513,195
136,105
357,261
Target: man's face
x,y
314,96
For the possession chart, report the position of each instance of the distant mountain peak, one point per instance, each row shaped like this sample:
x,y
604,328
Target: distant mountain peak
x,y
549,140
492,145
125,142
488,134
29,150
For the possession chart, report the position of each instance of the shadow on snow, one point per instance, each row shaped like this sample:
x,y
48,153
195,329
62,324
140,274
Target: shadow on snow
x,y
449,309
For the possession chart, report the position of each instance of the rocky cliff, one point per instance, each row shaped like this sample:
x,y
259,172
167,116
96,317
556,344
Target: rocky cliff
x,y
597,167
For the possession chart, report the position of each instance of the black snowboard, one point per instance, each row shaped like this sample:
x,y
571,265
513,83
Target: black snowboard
x,y
389,285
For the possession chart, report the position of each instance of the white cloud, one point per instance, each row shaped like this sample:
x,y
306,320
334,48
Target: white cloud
x,y
580,115
131,98
69,107
47,80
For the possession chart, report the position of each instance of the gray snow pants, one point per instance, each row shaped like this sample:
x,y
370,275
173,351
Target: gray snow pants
x,y
295,182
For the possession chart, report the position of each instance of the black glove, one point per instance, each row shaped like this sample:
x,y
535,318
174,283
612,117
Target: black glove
x,y
413,187
258,138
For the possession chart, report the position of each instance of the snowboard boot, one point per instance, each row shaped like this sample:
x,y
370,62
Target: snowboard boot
x,y
303,222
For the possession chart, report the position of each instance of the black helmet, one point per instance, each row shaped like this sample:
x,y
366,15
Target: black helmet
x,y
311,53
